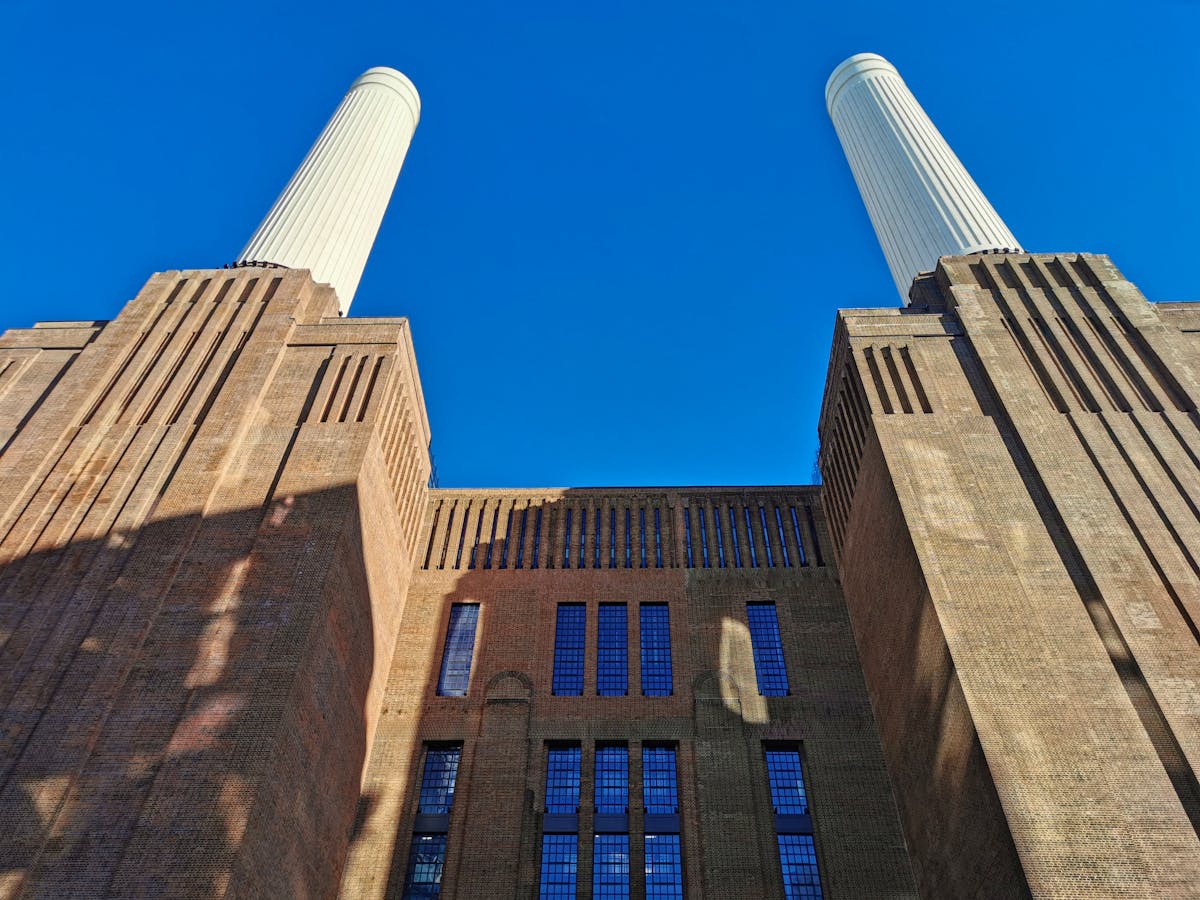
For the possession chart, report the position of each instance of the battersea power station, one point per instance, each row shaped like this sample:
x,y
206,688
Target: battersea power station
x,y
246,650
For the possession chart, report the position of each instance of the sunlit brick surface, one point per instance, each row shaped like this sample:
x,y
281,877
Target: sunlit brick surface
x,y
1012,485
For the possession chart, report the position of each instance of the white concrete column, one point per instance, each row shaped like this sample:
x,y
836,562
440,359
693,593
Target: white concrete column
x,y
327,217
921,200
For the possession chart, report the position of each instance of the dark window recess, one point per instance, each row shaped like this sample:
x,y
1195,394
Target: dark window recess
x,y
768,649
628,542
507,535
783,548
642,533
720,536
569,634
537,539
583,538
478,534
612,651
657,539
567,542
799,538
750,537
612,537
812,529
596,541
459,648
733,536
687,535
703,536
521,539
655,627
487,562
766,534
462,536
446,542
432,536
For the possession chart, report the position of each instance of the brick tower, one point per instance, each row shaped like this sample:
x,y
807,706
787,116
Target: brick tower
x,y
1012,471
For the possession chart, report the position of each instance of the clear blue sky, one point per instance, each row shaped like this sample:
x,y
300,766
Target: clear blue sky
x,y
623,228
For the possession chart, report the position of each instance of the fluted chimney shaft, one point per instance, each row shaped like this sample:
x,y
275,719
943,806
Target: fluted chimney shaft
x,y
327,217
922,202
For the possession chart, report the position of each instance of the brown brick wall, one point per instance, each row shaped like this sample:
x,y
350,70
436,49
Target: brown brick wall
x,y
1049,492
716,716
204,553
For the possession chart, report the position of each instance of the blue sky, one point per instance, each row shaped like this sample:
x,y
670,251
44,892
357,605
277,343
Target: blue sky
x,y
623,229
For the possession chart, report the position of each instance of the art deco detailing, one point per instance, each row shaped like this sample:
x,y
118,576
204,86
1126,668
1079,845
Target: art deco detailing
x,y
922,202
327,217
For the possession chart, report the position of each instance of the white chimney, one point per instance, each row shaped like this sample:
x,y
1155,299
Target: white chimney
x,y
921,200
327,217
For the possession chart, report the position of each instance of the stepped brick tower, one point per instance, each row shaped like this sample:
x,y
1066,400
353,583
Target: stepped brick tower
x,y
1012,471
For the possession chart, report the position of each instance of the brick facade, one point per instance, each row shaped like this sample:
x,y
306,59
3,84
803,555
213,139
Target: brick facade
x,y
1012,479
225,589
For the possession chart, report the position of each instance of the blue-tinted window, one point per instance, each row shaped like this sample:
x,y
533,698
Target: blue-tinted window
x,y
655,625
537,539
787,559
750,538
569,636
460,646
642,534
507,535
687,534
787,782
521,538
798,859
612,778
426,857
559,863
610,866
766,533
660,786
657,540
768,649
487,561
733,536
596,541
437,780
720,536
664,867
462,535
562,778
612,538
583,539
799,539
478,534
612,651
703,537
567,543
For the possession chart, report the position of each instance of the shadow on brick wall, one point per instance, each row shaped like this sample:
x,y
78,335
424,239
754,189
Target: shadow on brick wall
x,y
168,694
